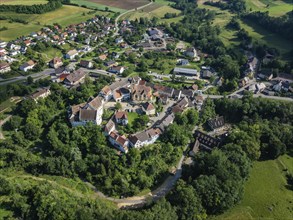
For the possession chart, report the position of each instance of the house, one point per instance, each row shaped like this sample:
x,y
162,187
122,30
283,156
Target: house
x,y
121,117
106,93
109,127
41,93
194,87
27,66
144,138
87,112
119,141
190,52
154,31
199,101
141,93
206,74
183,62
165,122
121,94
3,43
103,57
265,74
61,70
195,148
207,141
216,123
256,88
181,105
117,69
149,108
75,78
111,63
185,71
71,54
4,67
260,87
163,90
86,64
56,63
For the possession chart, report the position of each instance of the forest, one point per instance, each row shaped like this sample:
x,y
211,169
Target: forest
x,y
32,9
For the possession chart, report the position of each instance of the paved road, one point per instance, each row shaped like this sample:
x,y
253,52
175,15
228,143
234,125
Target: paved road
x,y
44,73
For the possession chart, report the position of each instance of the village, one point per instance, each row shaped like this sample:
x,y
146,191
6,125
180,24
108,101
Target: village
x,y
136,96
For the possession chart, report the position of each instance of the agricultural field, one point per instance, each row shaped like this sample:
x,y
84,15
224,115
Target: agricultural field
x,y
112,4
95,5
275,8
266,195
64,16
257,32
22,2
154,10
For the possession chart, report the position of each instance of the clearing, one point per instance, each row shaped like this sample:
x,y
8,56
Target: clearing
x,y
64,16
266,195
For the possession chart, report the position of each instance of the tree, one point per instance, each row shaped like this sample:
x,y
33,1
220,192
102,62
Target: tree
x,y
14,123
31,131
30,80
118,106
186,202
175,136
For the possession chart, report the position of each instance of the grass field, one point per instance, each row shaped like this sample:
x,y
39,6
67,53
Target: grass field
x,y
265,195
22,2
154,10
257,32
131,117
64,16
275,8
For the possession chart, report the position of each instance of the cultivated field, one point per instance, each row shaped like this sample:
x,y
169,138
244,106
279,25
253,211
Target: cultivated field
x,y
94,5
64,16
266,195
22,2
125,4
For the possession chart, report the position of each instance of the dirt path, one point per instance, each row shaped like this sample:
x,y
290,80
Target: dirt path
x,y
2,122
124,13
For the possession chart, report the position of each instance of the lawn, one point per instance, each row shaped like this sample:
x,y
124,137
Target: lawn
x,y
23,2
51,53
265,194
131,117
64,16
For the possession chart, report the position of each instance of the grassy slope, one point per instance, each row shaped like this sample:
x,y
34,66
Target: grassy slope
x,y
75,187
275,8
257,32
64,16
159,11
265,195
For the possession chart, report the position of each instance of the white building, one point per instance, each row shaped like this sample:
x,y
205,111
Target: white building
x,y
71,54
